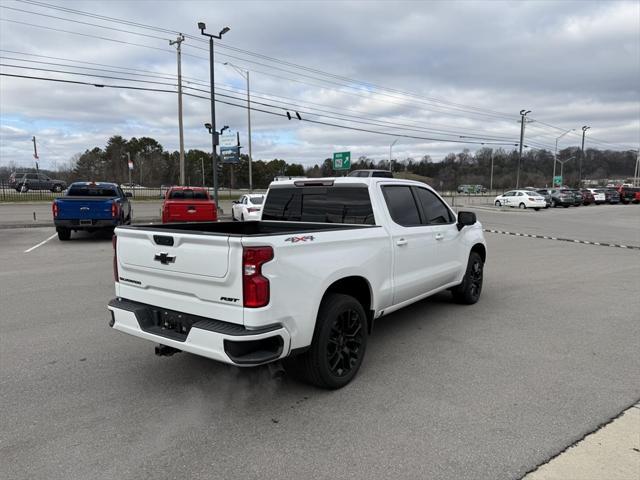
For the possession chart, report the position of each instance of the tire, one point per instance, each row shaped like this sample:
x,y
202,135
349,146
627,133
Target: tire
x,y
341,322
498,204
553,204
468,292
566,206
536,209
24,188
242,217
522,206
56,189
64,234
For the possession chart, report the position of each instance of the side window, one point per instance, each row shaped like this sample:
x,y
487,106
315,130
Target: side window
x,y
520,194
244,200
402,206
32,176
435,211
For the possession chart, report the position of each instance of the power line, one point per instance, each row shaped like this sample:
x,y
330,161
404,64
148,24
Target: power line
x,y
318,122
350,82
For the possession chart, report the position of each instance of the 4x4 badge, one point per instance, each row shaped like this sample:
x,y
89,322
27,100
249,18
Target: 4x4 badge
x,y
164,258
306,238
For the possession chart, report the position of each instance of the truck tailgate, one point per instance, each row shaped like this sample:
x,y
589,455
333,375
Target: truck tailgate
x,y
181,271
189,211
83,208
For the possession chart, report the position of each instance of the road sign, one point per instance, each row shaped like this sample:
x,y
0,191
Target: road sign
x,y
130,165
230,154
342,160
557,181
229,138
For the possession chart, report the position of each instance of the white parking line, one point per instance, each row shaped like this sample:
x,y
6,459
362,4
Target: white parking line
x,y
40,244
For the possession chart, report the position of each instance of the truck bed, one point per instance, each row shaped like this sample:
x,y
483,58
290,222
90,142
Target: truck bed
x,y
246,229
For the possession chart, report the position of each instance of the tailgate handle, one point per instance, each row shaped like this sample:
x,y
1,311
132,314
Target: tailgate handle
x,y
163,240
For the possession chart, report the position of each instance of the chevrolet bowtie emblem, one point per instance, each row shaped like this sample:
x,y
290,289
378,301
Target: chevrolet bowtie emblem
x,y
164,258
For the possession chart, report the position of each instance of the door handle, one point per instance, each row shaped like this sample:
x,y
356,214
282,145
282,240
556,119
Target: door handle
x,y
439,236
401,241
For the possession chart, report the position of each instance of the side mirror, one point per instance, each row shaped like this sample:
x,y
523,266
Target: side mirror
x,y
128,194
466,219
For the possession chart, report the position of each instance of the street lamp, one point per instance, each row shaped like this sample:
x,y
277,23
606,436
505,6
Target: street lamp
x,y
245,75
562,162
212,126
584,130
391,149
555,156
523,113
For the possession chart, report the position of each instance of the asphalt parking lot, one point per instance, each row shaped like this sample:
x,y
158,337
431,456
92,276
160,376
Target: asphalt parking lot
x,y
488,391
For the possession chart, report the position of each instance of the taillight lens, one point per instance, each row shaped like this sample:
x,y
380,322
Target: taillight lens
x,y
532,199
114,209
114,242
255,287
252,210
54,208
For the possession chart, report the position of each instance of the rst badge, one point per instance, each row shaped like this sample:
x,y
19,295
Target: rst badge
x,y
306,238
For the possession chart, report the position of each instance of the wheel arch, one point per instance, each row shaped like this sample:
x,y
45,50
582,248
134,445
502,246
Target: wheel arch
x,y
357,287
481,250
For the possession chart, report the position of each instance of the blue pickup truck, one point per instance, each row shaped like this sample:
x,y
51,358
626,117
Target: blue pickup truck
x,y
91,206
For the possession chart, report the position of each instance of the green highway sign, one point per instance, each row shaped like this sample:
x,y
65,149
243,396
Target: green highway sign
x,y
342,160
557,181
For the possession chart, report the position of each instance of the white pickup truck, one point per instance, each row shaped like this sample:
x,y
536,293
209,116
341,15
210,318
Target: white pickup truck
x,y
305,283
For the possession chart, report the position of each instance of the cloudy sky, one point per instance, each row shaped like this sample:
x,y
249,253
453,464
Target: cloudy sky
x,y
362,74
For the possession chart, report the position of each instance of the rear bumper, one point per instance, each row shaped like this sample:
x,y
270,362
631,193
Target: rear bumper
x,y
222,341
76,225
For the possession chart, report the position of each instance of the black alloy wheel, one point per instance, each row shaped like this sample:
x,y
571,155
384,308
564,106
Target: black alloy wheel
x,y
344,345
468,292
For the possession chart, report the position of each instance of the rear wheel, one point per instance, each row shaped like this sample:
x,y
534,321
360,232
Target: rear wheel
x,y
64,234
468,292
56,189
536,208
338,346
242,217
554,204
522,206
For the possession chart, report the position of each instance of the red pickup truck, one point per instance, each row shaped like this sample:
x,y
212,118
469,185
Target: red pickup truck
x,y
188,204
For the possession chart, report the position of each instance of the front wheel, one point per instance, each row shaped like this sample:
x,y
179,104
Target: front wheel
x,y
498,204
536,208
338,346
64,234
468,292
554,204
522,206
56,189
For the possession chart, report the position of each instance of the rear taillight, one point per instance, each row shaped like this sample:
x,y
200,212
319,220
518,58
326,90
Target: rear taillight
x,y
532,199
114,242
114,209
255,287
54,208
252,210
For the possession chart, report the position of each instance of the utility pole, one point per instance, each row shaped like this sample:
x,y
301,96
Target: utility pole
x,y
35,153
212,130
636,174
584,130
178,41
523,114
129,166
202,166
390,150
491,178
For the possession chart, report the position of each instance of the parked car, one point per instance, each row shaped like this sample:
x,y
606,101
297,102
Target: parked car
x,y
587,197
248,207
561,197
577,197
302,285
520,199
629,194
547,197
188,204
612,196
24,182
91,206
371,173
598,195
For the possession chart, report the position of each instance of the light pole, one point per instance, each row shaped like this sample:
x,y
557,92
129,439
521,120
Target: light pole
x,y
491,178
555,156
214,133
562,162
523,113
584,130
245,75
391,149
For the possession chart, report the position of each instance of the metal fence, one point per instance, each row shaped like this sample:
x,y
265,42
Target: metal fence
x,y
10,194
